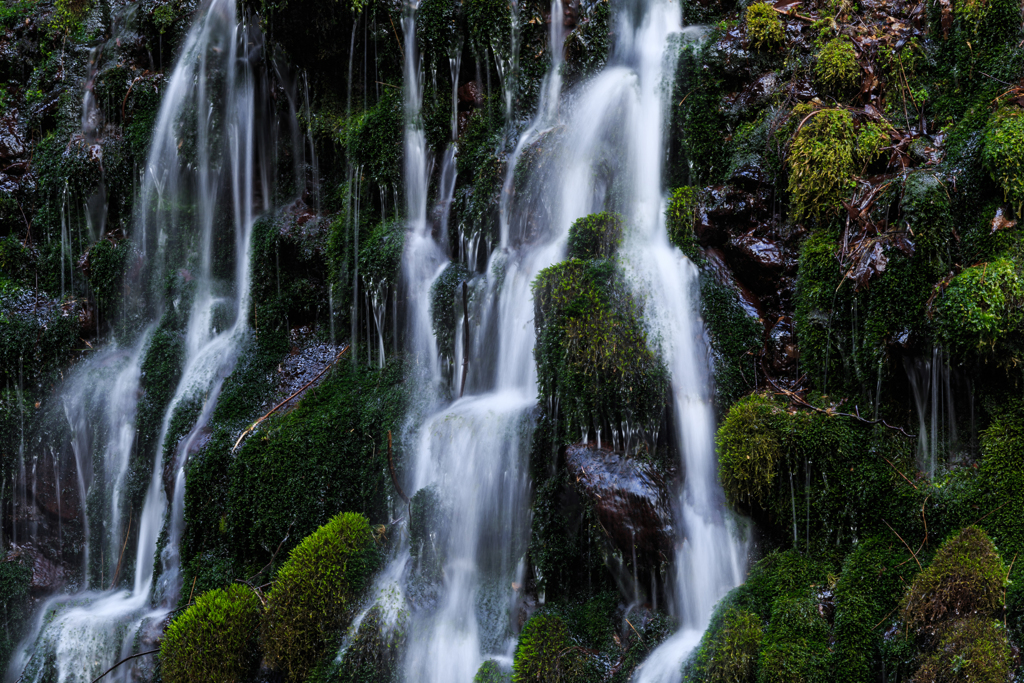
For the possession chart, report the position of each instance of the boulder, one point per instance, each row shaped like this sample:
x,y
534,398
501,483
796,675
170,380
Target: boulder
x,y
630,498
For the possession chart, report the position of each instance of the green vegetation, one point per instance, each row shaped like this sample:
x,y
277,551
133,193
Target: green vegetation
x,y
750,448
445,303
764,28
836,67
821,163
15,577
974,649
546,653
733,652
592,348
982,311
682,205
216,639
596,236
315,593
490,672
1004,151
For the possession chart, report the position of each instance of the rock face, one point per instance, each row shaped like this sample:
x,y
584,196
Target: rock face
x,y
630,498
47,575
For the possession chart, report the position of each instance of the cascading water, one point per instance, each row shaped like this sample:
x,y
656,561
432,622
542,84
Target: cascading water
x,y
205,178
471,453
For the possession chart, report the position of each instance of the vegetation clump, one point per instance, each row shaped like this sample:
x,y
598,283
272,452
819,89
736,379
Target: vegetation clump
x,y
596,236
982,310
966,578
764,28
732,654
1003,153
546,653
592,346
679,218
315,593
821,163
216,639
972,650
750,447
836,67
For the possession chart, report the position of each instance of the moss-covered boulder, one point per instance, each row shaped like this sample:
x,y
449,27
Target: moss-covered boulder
x,y
374,654
795,645
732,654
981,313
592,348
491,672
596,236
546,653
966,578
216,639
751,444
972,650
315,593
1004,153
821,162
764,28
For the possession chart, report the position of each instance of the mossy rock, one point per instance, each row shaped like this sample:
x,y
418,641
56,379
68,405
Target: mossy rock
x,y
751,444
971,650
679,219
374,655
795,645
1003,152
491,672
836,66
764,27
821,163
596,236
216,639
982,311
315,593
380,255
967,577
592,347
546,653
588,45
15,578
733,653
445,302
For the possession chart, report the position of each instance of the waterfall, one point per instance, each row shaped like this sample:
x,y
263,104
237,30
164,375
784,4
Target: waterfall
x,y
472,451
206,177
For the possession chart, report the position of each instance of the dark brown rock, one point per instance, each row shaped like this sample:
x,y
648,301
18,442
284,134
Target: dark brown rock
x,y
630,498
47,575
470,94
11,144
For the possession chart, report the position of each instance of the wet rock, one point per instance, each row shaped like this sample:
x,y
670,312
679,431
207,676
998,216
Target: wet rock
x,y
748,301
781,347
630,498
11,144
761,260
47,575
56,491
470,95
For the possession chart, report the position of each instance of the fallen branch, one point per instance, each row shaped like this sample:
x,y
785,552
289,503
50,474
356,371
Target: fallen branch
x,y
394,477
117,571
465,341
794,14
905,545
273,410
793,396
138,654
904,479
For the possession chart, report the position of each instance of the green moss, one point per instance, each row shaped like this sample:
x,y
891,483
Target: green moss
x,y
1003,152
374,655
15,577
836,66
341,428
764,28
967,576
982,311
315,593
215,639
592,349
445,304
380,255
795,646
491,672
750,447
973,650
489,23
547,653
679,218
377,140
588,45
872,139
596,236
733,653
821,164
428,528
108,261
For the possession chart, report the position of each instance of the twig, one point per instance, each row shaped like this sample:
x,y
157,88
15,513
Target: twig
x,y
794,14
117,571
138,654
193,589
274,556
1004,587
901,474
400,46
394,477
640,637
800,401
885,617
987,514
299,391
905,544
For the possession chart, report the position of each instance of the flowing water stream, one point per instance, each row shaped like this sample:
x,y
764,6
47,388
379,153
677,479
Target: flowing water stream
x,y
205,178
605,152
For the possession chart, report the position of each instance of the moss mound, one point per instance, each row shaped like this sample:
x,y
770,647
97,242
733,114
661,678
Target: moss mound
x,y
733,652
973,650
750,446
966,577
596,236
546,653
592,347
216,639
315,593
836,67
821,163
764,28
679,217
490,672
1004,152
982,311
